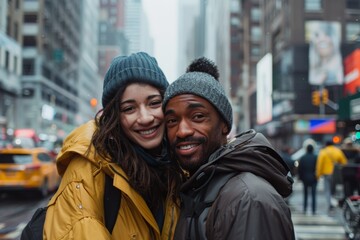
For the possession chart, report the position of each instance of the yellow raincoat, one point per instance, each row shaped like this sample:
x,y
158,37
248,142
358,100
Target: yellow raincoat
x,y
76,211
327,158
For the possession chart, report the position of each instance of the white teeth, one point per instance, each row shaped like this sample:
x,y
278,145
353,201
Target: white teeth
x,y
147,131
187,146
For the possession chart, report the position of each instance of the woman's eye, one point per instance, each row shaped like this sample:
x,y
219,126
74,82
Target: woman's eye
x,y
156,103
127,109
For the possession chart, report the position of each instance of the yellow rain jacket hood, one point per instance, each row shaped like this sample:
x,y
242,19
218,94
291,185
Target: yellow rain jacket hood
x,y
76,211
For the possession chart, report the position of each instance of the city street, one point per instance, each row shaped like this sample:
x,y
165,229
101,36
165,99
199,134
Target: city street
x,y
307,227
318,227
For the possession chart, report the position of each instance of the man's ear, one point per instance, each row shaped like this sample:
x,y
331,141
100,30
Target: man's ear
x,y
225,129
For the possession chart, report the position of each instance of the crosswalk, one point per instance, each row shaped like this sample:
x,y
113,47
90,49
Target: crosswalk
x,y
317,227
321,226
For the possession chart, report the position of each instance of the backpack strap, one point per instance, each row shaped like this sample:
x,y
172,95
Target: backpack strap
x,y
112,200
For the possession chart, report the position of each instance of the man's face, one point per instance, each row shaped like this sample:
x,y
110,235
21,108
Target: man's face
x,y
194,130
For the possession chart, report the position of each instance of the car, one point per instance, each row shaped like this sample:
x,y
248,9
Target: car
x,y
28,169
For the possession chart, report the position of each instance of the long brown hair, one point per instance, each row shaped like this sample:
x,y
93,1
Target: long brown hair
x,y
110,140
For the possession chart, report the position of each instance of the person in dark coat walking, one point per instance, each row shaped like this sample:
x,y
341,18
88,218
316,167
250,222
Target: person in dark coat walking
x,y
307,168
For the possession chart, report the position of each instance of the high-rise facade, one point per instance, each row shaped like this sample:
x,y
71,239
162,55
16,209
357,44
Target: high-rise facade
x,y
10,65
301,37
58,63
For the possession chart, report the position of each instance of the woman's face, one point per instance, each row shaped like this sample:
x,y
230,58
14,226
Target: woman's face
x,y
323,43
141,115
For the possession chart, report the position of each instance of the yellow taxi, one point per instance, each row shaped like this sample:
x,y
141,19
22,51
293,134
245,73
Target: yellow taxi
x,y
28,169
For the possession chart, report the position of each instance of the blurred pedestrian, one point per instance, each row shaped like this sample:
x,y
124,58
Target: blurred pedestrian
x,y
351,152
307,174
126,142
235,188
327,158
350,170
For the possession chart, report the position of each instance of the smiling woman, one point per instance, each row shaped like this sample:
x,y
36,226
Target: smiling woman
x,y
126,142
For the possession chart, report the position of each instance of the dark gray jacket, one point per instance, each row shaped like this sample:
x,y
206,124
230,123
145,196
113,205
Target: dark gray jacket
x,y
250,205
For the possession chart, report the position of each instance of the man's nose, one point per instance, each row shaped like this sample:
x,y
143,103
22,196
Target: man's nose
x,y
184,130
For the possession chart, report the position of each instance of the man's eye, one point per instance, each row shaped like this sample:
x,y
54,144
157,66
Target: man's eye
x,y
198,116
170,121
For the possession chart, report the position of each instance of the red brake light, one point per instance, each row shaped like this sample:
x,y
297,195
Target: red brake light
x,y
33,167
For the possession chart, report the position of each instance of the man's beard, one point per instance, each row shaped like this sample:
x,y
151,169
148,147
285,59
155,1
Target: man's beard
x,y
190,166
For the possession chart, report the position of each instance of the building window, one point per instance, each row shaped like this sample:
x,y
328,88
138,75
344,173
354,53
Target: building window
x,y
29,41
235,6
30,18
353,4
15,64
16,31
255,51
255,33
28,66
7,60
235,21
352,31
313,5
255,14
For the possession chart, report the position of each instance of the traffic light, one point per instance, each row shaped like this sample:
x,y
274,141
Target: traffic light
x,y
93,102
315,98
336,139
325,96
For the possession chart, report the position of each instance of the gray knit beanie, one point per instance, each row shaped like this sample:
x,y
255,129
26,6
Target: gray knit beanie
x,y
138,67
203,85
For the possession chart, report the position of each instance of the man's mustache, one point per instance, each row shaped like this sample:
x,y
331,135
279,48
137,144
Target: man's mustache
x,y
189,139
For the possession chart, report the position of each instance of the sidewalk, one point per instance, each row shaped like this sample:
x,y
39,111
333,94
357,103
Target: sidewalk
x,y
320,226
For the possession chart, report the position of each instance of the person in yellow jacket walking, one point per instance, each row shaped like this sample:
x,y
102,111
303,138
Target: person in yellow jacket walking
x,y
327,158
125,141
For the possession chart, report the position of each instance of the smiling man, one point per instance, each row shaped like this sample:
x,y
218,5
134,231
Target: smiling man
x,y
235,189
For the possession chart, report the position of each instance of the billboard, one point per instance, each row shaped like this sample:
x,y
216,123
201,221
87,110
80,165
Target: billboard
x,y
322,126
264,89
352,73
325,61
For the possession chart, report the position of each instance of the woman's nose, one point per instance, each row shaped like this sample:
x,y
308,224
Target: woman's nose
x,y
145,116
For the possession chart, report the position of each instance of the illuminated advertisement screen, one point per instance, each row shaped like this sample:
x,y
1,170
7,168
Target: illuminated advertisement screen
x,y
352,73
264,89
325,61
322,126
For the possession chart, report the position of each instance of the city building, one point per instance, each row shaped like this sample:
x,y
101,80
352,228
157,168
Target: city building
x,y
112,39
90,82
57,65
308,41
277,83
10,66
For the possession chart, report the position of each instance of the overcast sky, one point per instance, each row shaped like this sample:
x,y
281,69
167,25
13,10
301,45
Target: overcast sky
x,y
162,16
